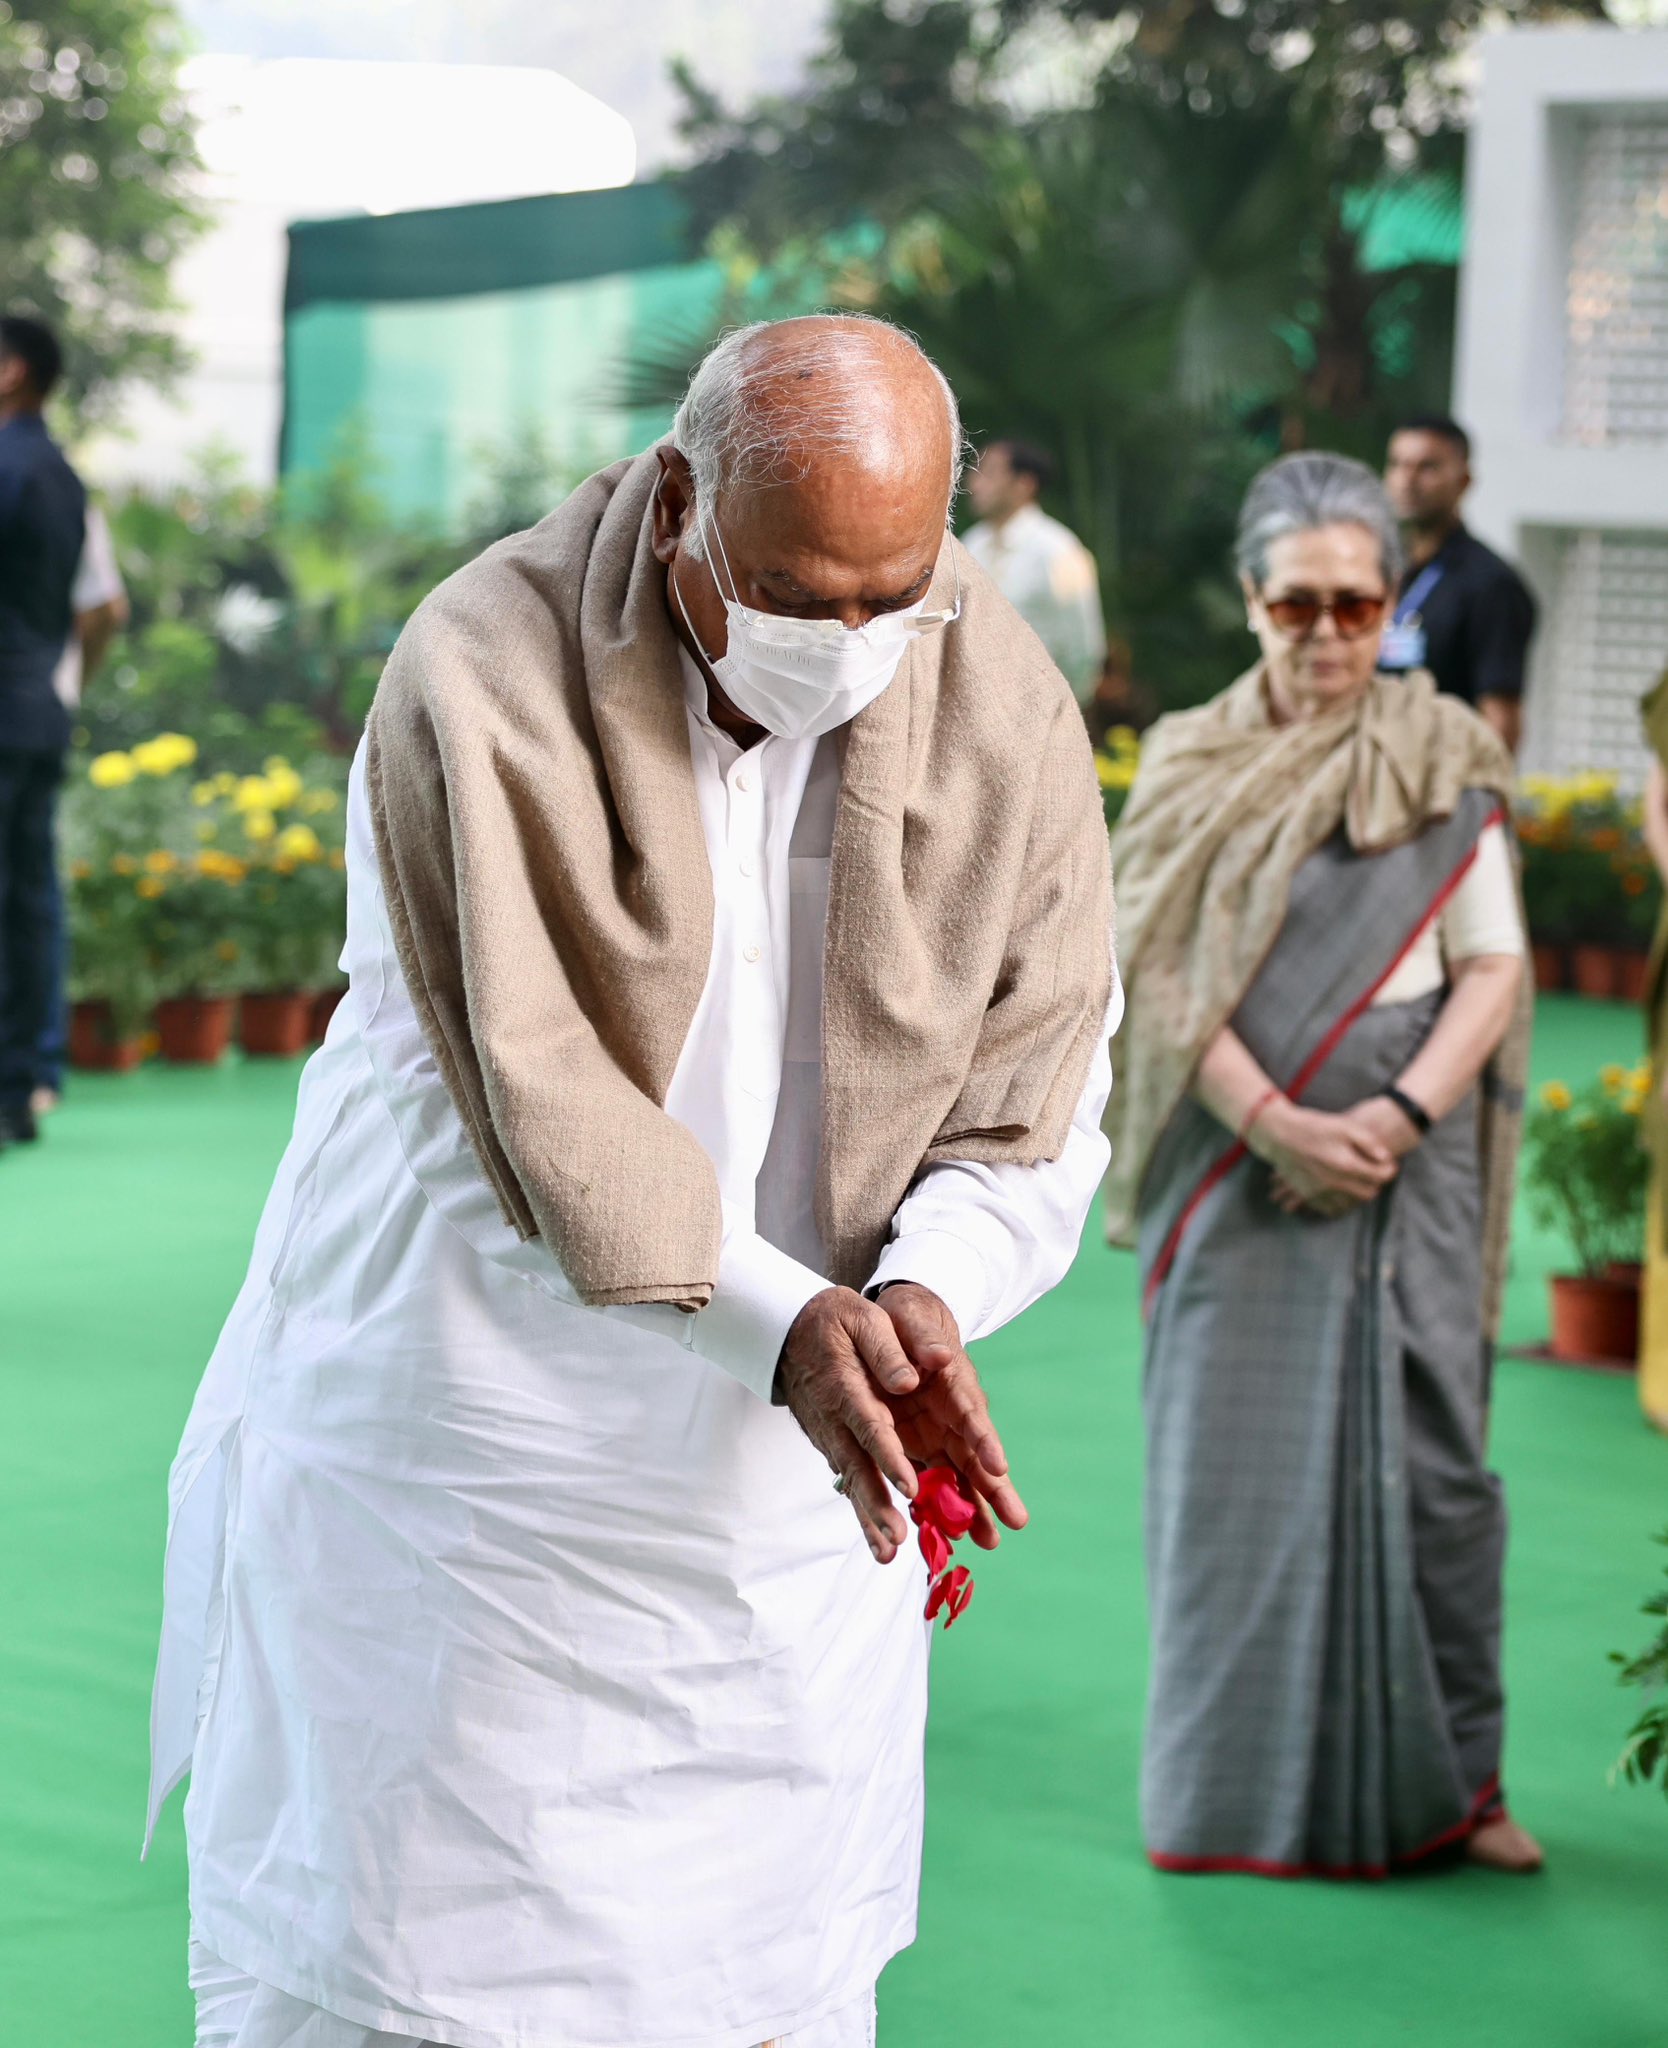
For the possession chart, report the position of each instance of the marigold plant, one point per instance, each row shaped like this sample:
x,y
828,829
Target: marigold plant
x,y
1587,875
1585,1167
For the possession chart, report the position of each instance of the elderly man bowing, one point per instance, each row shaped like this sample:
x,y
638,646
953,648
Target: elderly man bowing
x,y
728,931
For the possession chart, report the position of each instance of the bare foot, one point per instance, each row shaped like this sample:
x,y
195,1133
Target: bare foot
x,y
44,1101
1500,1844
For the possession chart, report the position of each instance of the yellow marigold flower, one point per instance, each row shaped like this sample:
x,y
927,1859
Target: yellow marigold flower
x,y
338,859
162,862
298,843
1614,1078
123,864
80,870
204,793
110,771
284,786
254,793
168,751
259,825
150,887
1556,1096
226,950
225,782
317,801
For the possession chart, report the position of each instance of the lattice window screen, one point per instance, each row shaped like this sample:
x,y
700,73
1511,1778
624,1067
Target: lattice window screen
x,y
1616,354
1605,641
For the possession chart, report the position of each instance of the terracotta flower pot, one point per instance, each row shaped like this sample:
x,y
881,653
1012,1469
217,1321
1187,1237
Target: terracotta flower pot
x,y
1593,970
195,1030
1595,1316
275,1024
325,1005
1550,964
94,1046
1631,976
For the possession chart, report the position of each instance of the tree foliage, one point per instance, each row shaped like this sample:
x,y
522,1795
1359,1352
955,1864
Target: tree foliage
x,y
96,164
1146,237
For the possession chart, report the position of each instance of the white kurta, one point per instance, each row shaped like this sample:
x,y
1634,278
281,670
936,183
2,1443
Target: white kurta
x,y
537,1689
1049,577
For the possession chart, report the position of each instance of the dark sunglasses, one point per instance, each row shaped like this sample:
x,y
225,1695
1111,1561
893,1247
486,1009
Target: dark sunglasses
x,y
1352,612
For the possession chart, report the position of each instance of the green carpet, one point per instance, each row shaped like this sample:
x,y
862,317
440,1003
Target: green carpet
x,y
124,1237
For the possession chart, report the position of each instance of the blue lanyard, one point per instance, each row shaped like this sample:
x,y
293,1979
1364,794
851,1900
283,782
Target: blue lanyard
x,y
1413,598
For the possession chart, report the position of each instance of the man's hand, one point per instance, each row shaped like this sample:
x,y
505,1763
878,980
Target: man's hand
x,y
840,1349
945,1418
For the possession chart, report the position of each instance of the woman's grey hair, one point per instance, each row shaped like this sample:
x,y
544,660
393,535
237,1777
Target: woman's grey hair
x,y
730,439
1299,493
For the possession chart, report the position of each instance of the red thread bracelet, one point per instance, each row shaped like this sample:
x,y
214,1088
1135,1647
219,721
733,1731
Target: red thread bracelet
x,y
1257,1108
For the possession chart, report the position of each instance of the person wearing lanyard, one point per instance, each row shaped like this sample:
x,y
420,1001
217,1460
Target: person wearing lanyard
x,y
1462,613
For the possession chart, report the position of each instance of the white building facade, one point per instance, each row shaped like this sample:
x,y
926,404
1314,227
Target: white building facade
x,y
1562,370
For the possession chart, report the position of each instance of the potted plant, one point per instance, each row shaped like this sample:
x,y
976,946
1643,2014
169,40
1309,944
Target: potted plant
x,y
1645,1756
295,905
1585,1171
124,820
1589,885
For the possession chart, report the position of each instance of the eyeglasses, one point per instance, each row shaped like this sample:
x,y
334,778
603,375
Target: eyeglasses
x,y
910,624
1353,612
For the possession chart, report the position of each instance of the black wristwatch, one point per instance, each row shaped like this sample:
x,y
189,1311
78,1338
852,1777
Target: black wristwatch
x,y
1416,1115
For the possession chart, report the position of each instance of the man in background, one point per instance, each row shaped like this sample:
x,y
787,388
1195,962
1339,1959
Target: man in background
x,y
43,512
1041,567
1462,612
99,600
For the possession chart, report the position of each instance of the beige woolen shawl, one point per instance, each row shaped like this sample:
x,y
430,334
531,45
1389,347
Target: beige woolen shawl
x,y
541,848
1225,809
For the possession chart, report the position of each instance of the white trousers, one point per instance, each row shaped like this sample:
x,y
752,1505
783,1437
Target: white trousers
x,y
236,2011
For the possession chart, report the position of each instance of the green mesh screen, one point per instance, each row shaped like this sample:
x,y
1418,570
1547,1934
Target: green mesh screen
x,y
440,341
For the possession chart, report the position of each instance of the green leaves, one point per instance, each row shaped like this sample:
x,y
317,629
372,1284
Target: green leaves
x,y
97,167
1644,1756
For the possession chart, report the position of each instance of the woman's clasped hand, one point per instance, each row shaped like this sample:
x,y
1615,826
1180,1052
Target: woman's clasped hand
x,y
1328,1162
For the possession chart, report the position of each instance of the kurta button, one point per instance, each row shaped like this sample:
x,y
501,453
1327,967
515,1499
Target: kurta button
x,y
742,782
746,867
750,953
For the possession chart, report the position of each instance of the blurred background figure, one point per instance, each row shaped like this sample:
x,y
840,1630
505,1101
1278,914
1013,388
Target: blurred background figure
x,y
1653,1326
1320,1204
1461,611
1041,567
1119,699
43,512
100,604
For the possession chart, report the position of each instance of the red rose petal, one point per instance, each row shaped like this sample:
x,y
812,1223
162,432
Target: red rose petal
x,y
958,1593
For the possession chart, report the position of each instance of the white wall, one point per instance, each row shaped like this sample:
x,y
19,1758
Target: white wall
x,y
1579,495
298,139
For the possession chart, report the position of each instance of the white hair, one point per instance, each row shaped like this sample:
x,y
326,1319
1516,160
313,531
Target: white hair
x,y
1301,492
730,439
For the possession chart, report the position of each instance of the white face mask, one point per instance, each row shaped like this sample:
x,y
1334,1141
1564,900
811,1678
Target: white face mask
x,y
803,677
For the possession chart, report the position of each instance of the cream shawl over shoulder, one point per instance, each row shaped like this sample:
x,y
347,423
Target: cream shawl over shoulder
x,y
541,849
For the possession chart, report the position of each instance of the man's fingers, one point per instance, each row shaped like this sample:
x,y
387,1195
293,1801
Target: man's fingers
x,y
972,1413
1001,1494
876,1344
868,1422
984,1531
867,1491
924,1325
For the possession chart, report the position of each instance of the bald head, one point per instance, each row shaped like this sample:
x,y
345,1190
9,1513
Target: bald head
x,y
810,474
793,403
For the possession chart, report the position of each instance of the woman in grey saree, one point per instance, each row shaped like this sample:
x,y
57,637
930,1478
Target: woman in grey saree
x,y
1313,1143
